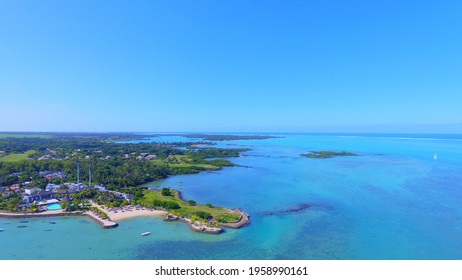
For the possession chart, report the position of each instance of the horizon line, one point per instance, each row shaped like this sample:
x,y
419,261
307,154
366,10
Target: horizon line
x,y
224,132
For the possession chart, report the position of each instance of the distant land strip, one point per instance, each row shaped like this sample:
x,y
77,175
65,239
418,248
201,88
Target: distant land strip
x,y
327,154
219,137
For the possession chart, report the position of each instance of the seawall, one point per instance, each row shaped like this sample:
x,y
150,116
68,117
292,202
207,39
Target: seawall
x,y
103,223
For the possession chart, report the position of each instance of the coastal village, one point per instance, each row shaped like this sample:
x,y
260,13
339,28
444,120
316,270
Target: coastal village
x,y
42,177
36,202
53,193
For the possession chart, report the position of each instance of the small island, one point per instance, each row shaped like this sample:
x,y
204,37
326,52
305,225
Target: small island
x,y
328,154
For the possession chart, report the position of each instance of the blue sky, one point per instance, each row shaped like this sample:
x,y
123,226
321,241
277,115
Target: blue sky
x,y
292,66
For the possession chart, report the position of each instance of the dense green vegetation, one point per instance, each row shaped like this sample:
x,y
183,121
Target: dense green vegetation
x,y
9,201
116,165
122,167
166,192
187,209
327,154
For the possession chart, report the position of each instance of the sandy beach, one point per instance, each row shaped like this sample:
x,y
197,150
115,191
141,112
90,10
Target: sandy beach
x,y
121,213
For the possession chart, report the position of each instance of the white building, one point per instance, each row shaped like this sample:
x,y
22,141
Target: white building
x,y
100,188
31,191
52,187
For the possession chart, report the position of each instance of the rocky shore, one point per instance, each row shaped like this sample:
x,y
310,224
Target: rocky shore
x,y
198,227
244,219
130,212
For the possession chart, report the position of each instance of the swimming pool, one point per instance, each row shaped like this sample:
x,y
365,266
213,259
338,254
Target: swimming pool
x,y
54,206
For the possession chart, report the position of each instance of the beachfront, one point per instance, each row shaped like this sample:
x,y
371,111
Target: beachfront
x,y
126,212
116,214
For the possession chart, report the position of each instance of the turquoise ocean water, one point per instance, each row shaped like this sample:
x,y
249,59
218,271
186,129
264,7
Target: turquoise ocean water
x,y
395,201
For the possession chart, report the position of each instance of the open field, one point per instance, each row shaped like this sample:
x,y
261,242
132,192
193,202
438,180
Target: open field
x,y
184,161
17,157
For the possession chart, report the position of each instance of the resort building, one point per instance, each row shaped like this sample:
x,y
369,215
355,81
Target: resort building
x,y
31,191
52,187
52,174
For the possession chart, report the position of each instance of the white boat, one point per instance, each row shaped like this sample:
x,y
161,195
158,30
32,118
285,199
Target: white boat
x,y
145,233
435,157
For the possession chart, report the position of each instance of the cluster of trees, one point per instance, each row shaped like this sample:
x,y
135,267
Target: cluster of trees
x,y
116,165
166,204
203,215
215,153
9,201
65,145
204,219
99,212
108,199
166,192
113,173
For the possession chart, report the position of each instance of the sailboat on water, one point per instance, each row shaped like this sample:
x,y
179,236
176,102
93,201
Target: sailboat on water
x,y
435,157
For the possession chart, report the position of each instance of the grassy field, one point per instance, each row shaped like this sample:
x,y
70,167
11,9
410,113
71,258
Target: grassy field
x,y
17,157
184,161
219,214
25,135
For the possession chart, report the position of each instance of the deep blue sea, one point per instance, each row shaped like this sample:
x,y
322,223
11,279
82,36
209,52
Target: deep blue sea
x,y
395,201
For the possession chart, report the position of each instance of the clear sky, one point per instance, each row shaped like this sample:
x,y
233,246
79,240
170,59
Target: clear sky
x,y
291,66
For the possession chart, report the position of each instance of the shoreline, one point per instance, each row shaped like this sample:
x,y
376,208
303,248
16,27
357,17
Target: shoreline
x,y
59,213
128,212
244,219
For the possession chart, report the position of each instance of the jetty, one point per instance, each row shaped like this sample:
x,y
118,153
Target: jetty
x,y
105,223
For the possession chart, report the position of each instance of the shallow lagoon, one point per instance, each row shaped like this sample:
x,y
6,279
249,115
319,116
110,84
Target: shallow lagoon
x,y
393,202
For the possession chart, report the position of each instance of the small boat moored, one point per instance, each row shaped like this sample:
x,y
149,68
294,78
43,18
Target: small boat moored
x,y
2,229
24,221
22,226
145,233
